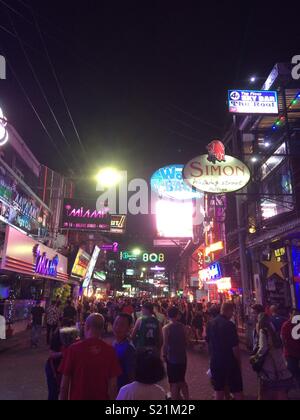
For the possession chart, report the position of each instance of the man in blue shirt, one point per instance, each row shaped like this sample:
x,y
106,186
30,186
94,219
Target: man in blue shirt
x,y
125,351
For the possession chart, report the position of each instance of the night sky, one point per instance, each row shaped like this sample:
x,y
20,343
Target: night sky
x,y
145,81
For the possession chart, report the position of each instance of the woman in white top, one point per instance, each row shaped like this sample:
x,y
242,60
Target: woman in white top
x,y
149,372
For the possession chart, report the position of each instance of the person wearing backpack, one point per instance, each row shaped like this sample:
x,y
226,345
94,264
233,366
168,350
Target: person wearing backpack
x,y
147,333
268,361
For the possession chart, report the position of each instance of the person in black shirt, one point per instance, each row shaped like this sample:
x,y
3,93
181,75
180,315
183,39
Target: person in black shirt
x,y
70,313
37,316
224,351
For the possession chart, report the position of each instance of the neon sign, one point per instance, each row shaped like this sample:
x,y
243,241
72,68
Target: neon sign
x,y
110,247
81,215
211,273
218,246
168,183
43,265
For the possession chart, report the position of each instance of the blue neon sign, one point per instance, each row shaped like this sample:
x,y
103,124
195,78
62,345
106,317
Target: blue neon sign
x,y
168,183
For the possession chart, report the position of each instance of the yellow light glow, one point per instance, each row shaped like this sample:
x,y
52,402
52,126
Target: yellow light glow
x,y
214,248
109,177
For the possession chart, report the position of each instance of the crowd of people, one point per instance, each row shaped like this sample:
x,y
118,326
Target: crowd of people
x,y
150,341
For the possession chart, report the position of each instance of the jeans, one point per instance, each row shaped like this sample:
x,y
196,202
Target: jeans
x,y
36,333
294,367
53,387
50,330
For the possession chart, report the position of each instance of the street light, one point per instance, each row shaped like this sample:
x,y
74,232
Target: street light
x,y
136,252
109,177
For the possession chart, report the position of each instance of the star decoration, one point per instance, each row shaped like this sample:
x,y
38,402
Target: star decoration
x,y
274,267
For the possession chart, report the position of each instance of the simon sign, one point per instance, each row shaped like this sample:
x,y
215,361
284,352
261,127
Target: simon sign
x,y
216,173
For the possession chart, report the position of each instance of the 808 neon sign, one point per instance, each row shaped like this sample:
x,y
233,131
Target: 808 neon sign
x,y
153,258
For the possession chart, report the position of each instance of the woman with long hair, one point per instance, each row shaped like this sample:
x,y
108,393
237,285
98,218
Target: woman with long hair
x,y
268,361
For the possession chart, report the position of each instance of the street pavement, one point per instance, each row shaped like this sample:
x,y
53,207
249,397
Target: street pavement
x,y
23,378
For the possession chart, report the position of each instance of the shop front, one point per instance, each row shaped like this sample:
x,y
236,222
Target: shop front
x,y
277,273
30,271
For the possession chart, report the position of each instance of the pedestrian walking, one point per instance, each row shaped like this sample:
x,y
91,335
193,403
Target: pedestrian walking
x,y
225,363
291,346
52,320
124,348
175,355
268,361
149,373
91,367
147,332
37,318
70,312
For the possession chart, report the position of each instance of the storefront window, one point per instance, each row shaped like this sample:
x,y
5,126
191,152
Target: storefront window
x,y
278,190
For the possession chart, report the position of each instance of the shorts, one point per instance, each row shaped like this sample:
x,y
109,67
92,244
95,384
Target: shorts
x,y
228,377
176,372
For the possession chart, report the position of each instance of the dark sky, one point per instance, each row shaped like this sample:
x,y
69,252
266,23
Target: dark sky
x,y
145,81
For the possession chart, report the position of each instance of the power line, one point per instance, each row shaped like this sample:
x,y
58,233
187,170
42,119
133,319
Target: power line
x,y
15,11
194,117
37,115
41,87
195,140
185,124
58,83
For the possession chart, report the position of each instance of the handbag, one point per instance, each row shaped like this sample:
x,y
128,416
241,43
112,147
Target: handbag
x,y
257,362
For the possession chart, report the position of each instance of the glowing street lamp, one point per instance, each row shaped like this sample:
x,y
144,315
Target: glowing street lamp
x,y
109,177
136,252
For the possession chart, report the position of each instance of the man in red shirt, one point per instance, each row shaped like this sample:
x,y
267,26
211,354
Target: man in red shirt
x,y
291,346
91,367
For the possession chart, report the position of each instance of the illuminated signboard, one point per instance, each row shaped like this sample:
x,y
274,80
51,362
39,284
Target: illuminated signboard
x,y
3,129
168,183
130,272
110,247
218,246
145,257
100,275
91,267
81,264
44,265
217,173
22,254
118,223
213,272
174,219
224,284
83,215
253,102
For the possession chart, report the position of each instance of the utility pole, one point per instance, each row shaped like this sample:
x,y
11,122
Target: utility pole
x,y
241,229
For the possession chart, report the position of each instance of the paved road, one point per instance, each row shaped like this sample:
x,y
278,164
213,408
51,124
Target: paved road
x,y
22,374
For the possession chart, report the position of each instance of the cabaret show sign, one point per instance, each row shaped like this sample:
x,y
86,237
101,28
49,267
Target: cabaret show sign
x,y
216,173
